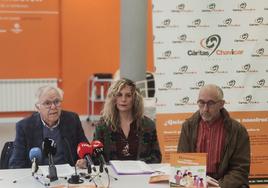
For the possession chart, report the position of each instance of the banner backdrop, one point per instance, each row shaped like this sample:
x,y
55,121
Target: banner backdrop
x,y
202,42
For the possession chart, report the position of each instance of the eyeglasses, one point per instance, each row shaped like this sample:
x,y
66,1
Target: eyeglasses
x,y
209,103
48,104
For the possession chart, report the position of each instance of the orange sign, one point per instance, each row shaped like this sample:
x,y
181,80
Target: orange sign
x,y
29,35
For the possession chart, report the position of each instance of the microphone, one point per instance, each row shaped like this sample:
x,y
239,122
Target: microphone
x,y
98,152
50,149
75,178
84,151
35,155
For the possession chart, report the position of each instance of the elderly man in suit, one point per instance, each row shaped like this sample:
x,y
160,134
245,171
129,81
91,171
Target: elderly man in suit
x,y
50,121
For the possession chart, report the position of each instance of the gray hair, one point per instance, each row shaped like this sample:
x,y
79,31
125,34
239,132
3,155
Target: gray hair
x,y
44,89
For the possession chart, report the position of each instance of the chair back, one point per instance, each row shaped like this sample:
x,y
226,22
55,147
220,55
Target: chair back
x,y
6,154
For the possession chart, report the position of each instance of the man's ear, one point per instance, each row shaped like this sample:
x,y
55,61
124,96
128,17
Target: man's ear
x,y
222,102
37,106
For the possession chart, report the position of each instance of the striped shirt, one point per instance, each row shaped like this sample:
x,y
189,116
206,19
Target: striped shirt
x,y
210,140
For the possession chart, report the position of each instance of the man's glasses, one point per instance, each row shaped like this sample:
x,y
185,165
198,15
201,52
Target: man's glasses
x,y
48,104
209,103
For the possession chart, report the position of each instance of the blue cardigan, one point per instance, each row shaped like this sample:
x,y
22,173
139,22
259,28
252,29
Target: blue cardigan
x,y
29,134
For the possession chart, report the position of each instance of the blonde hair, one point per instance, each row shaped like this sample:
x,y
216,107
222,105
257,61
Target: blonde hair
x,y
110,113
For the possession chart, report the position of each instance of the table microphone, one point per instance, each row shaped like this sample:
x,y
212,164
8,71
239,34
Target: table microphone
x,y
35,155
98,153
75,178
85,151
50,149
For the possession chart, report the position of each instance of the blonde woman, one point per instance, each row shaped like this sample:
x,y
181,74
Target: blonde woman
x,y
123,129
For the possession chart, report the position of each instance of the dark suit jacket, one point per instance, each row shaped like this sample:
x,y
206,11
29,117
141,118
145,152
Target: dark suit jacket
x,y
29,134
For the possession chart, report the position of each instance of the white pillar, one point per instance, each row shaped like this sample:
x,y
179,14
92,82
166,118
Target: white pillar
x,y
133,39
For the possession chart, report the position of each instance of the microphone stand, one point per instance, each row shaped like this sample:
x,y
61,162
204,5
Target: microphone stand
x,y
98,175
89,171
104,166
75,178
92,179
90,165
101,167
52,175
34,166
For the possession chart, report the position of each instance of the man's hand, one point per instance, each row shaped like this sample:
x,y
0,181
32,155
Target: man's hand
x,y
81,163
211,182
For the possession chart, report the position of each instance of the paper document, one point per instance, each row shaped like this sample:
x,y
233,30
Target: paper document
x,y
131,167
63,170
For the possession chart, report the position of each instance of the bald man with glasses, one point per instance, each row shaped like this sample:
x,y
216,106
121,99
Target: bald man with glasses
x,y
50,121
211,130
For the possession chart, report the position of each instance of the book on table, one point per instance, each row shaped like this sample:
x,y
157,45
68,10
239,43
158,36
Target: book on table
x,y
188,170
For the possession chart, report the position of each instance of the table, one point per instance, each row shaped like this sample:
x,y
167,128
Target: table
x,y
18,178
